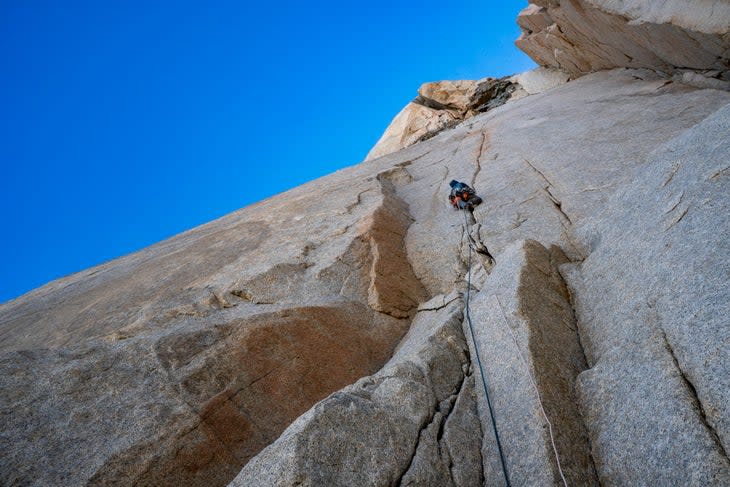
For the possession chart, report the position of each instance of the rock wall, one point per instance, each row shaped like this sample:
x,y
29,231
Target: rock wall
x,y
673,339
524,322
582,36
319,337
571,38
421,405
442,105
549,173
177,364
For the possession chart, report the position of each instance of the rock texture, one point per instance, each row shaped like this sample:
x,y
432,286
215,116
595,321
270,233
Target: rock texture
x,y
444,104
412,423
426,396
527,338
551,179
571,38
582,36
322,341
177,364
674,339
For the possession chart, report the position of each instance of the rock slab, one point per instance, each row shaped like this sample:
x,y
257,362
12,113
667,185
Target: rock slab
x,y
583,36
180,363
526,337
412,423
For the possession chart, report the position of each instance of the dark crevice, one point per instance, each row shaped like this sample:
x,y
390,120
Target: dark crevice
x,y
677,220
719,173
480,432
433,133
548,190
681,196
414,451
492,93
476,242
429,103
445,304
446,452
441,412
695,398
466,387
358,201
557,204
478,160
438,414
579,339
542,175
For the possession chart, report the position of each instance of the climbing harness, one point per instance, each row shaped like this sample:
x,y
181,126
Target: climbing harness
x,y
484,380
479,361
462,195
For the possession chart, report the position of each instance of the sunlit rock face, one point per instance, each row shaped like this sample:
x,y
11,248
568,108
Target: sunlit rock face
x,y
442,105
177,364
672,36
604,307
321,336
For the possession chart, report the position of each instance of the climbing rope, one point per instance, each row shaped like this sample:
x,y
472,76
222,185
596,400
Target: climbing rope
x,y
479,361
522,358
537,391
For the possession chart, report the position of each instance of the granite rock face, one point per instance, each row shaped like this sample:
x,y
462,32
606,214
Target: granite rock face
x,y
561,412
571,38
429,396
177,364
582,36
442,105
674,338
528,341
320,337
412,423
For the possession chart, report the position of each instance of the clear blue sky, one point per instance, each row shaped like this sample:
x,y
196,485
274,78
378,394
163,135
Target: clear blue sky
x,y
126,122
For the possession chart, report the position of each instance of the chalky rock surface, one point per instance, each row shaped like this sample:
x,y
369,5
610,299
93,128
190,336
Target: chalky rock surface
x,y
582,36
318,337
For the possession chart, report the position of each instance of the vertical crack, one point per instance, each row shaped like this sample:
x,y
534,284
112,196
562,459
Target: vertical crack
x,y
441,413
693,393
548,187
539,172
478,160
579,339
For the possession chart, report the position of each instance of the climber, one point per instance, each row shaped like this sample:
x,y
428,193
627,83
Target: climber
x,y
462,196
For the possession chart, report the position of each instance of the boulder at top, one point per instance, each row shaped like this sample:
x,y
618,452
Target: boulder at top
x,y
444,104
582,36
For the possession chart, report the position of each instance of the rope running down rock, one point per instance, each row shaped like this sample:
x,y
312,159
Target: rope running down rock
x,y
537,391
522,358
479,361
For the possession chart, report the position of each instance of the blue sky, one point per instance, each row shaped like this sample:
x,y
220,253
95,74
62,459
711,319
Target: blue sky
x,y
124,123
